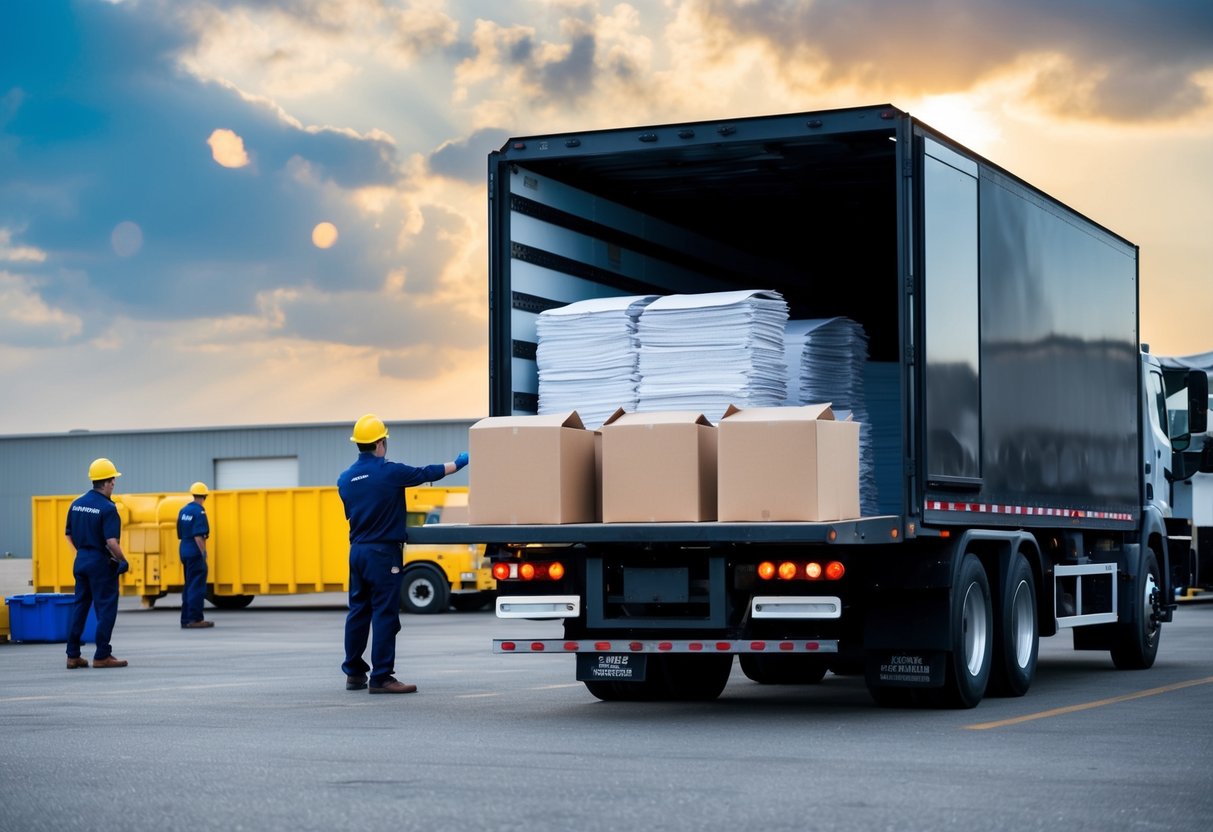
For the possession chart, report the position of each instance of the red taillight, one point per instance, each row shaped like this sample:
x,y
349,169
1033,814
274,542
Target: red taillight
x,y
504,571
790,570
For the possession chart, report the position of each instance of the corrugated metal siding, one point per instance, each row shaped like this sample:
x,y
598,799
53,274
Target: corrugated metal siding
x,y
169,460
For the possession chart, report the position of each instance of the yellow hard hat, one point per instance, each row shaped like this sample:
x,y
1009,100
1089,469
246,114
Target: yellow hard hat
x,y
368,430
199,489
102,469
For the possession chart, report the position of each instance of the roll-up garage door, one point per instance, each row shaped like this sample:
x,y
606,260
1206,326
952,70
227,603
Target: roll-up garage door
x,y
262,472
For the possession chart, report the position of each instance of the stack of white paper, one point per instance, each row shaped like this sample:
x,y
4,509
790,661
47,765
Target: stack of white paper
x,y
704,352
833,353
587,357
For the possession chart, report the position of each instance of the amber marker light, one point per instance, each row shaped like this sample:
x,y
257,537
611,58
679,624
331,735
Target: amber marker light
x,y
556,571
501,571
526,571
812,570
787,570
766,570
835,570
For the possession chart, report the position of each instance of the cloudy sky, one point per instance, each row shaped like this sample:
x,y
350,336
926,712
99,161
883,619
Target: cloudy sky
x,y
226,212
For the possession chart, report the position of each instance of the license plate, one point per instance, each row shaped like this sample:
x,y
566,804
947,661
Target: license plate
x,y
610,667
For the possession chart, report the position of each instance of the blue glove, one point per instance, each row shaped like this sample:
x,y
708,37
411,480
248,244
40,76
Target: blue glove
x,y
123,566
461,460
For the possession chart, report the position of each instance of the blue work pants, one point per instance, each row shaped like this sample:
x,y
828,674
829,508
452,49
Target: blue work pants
x,y
194,589
376,573
96,586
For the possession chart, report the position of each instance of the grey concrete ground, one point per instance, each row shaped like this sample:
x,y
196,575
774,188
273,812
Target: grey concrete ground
x,y
248,726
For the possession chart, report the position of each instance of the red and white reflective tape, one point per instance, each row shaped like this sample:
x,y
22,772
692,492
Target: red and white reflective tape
x,y
557,645
1030,511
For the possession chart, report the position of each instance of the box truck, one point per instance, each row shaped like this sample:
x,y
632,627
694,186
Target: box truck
x,y
1023,492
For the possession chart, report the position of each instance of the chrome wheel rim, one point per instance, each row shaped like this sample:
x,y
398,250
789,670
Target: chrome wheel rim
x,y
1023,624
975,627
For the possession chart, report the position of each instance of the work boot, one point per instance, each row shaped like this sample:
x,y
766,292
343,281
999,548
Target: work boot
x,y
390,685
197,625
76,661
355,682
109,661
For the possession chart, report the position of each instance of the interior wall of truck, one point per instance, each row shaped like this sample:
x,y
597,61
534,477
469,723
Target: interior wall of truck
x,y
813,218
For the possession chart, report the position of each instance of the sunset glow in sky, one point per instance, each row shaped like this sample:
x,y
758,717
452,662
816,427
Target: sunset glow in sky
x,y
229,212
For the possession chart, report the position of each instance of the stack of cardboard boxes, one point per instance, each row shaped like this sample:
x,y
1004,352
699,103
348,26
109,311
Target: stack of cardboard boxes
x,y
758,464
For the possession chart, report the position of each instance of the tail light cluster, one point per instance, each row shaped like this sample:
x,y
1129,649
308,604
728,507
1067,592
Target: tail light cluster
x,y
801,570
528,571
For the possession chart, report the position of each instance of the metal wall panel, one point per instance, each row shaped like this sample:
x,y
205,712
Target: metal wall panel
x,y
169,460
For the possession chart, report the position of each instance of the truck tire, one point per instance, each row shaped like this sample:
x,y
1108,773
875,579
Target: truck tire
x,y
972,637
1016,634
671,678
782,670
644,691
684,677
1135,643
424,591
229,602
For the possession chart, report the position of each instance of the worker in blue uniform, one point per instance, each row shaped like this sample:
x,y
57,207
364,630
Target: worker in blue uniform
x,y
193,531
93,529
372,491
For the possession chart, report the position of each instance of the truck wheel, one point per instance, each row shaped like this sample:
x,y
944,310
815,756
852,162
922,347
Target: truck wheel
x,y
606,691
623,691
425,591
782,670
229,602
968,667
1135,644
1016,638
690,678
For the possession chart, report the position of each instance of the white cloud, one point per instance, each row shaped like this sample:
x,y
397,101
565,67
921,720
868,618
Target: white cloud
x,y
17,253
26,320
227,148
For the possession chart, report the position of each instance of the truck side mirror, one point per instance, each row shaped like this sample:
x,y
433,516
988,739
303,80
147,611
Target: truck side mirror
x,y
1198,401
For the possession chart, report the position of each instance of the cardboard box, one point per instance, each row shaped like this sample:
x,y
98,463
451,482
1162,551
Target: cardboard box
x,y
658,468
531,469
787,464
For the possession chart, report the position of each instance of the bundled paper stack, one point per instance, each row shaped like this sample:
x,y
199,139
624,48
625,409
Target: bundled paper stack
x,y
704,352
832,356
587,357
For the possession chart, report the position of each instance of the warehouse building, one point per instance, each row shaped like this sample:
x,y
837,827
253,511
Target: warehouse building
x,y
167,461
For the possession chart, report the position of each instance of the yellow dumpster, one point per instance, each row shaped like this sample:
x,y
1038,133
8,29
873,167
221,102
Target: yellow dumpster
x,y
265,542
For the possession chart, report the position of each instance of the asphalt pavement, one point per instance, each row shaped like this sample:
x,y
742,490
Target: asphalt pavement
x,y
248,726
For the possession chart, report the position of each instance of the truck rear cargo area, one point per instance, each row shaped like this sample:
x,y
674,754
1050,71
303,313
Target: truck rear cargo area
x,y
812,216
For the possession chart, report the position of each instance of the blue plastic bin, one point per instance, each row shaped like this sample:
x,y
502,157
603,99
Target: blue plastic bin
x,y
45,616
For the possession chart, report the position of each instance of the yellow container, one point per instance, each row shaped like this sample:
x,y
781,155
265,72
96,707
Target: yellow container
x,y
264,542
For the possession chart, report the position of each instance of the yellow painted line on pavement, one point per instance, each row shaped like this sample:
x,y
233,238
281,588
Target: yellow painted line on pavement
x,y
91,692
476,695
557,687
1086,706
